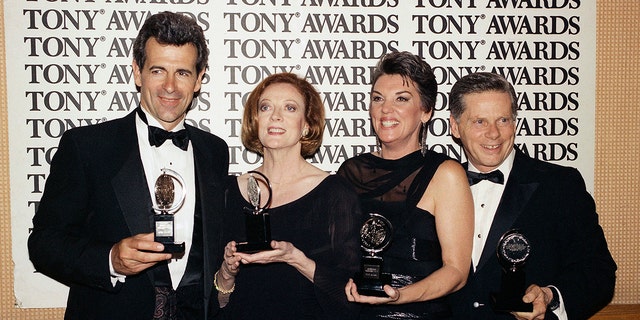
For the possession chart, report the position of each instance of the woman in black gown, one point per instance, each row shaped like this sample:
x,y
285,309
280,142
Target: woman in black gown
x,y
425,195
314,216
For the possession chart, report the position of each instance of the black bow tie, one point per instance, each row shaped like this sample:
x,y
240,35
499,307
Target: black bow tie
x,y
157,136
493,176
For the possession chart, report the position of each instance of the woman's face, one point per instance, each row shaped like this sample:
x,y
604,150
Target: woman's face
x,y
396,112
281,119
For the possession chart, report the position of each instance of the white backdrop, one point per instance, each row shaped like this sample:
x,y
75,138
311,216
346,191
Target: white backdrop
x,y
69,64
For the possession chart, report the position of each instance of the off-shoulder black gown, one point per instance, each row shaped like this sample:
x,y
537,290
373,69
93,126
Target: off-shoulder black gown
x,y
392,188
324,224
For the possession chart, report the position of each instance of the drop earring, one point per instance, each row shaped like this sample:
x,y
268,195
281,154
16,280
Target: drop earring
x,y
423,139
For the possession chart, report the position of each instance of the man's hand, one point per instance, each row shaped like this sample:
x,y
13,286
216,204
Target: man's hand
x,y
137,253
540,297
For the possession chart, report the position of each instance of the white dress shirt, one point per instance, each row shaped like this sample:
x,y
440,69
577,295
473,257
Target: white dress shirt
x,y
168,156
486,198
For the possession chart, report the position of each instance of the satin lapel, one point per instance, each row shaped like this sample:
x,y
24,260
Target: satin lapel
x,y
208,189
131,189
130,184
516,195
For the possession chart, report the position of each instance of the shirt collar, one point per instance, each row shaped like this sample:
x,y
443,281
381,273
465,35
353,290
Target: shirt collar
x,y
155,123
505,166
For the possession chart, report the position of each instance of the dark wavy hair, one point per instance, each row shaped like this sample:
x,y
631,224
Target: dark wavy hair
x,y
313,114
410,67
172,29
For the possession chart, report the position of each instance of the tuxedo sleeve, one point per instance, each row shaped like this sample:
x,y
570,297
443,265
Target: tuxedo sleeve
x,y
59,245
587,276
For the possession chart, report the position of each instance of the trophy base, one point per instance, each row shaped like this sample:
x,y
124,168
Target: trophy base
x,y
173,248
253,247
372,287
511,303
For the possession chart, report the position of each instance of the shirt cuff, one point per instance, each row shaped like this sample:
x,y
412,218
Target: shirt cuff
x,y
561,312
115,277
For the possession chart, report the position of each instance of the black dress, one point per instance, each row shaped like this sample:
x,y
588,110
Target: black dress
x,y
393,188
324,224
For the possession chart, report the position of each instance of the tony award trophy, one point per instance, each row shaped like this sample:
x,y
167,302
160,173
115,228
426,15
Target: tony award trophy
x,y
166,205
513,250
375,236
257,225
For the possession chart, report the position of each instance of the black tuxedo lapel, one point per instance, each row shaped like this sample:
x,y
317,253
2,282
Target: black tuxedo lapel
x,y
209,189
130,183
515,197
130,186
208,194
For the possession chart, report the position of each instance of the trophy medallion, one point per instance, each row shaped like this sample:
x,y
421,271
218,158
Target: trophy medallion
x,y
167,203
375,236
513,251
257,223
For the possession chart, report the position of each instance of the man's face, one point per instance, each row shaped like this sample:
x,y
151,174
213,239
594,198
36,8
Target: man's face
x,y
167,81
486,129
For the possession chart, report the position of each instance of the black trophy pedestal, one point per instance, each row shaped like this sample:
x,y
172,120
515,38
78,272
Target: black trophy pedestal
x,y
258,229
253,247
371,280
372,287
164,234
502,303
512,290
173,247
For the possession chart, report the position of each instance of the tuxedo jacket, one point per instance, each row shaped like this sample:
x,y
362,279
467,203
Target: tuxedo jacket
x,y
550,206
96,195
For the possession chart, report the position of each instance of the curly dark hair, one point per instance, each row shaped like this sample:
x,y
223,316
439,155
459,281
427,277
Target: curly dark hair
x,y
173,29
410,67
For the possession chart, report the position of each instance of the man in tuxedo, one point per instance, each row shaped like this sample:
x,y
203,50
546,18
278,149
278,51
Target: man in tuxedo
x,y
570,273
93,230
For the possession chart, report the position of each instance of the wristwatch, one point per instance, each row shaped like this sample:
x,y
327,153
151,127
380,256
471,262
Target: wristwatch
x,y
555,300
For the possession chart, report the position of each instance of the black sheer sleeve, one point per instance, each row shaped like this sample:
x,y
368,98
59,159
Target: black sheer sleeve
x,y
337,264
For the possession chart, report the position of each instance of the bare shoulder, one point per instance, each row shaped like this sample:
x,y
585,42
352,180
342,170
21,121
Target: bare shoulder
x,y
450,171
449,182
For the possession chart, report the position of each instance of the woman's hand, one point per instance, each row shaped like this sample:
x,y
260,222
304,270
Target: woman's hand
x,y
283,251
351,290
225,278
231,264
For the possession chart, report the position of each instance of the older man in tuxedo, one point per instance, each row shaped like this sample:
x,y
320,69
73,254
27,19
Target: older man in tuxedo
x,y
569,272
94,227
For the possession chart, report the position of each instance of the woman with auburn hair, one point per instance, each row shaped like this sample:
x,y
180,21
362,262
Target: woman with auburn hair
x,y
314,216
